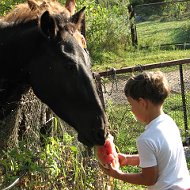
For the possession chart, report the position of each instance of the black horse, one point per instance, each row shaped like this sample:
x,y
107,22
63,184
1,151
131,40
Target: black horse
x,y
46,56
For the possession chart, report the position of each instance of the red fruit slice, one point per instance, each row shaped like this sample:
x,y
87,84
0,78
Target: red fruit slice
x,y
107,153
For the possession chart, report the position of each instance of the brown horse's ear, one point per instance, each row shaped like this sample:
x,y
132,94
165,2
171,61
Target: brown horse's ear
x,y
70,6
32,5
48,25
43,5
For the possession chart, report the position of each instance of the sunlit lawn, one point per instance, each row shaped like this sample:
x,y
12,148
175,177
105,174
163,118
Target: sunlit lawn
x,y
158,33
150,34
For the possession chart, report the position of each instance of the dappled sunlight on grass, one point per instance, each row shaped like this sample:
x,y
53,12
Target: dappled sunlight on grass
x,y
151,35
138,57
155,33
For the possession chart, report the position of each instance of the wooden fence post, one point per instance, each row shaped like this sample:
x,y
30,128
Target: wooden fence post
x,y
133,29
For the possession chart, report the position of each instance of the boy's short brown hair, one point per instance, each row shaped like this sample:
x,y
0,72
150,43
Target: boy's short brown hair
x,y
148,85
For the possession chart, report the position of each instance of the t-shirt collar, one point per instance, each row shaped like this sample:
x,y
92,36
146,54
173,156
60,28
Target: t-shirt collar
x,y
154,120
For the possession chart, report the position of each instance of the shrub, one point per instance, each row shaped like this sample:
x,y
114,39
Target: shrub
x,y
107,27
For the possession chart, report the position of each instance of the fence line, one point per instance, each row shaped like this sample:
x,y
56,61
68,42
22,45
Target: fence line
x,y
144,67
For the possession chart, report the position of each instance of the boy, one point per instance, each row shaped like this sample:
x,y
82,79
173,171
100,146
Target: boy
x,y
161,155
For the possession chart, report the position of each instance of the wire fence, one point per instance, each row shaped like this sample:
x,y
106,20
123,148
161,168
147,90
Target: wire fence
x,y
111,84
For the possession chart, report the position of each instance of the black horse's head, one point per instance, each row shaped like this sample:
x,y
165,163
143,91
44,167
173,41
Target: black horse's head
x,y
60,76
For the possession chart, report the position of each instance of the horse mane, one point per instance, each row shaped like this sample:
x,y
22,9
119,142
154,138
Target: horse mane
x,y
32,9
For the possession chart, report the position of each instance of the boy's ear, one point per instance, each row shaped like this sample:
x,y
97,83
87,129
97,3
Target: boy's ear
x,y
143,102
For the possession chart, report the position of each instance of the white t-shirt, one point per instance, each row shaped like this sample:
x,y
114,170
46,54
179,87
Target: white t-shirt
x,y
160,144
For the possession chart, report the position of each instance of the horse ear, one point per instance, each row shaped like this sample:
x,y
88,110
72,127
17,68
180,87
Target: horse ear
x,y
70,6
83,27
43,5
32,5
78,17
48,25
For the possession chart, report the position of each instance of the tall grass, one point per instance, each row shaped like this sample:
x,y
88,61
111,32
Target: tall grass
x,y
60,164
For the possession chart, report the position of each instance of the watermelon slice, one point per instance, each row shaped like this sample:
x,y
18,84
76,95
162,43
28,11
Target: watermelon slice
x,y
107,153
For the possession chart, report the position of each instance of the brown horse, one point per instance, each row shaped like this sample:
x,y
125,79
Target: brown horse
x,y
42,51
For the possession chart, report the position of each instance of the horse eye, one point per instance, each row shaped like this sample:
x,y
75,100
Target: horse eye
x,y
67,47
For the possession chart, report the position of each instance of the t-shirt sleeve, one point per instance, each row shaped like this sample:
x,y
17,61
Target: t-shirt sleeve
x,y
146,153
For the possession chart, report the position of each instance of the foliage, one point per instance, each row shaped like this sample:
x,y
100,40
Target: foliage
x,y
6,5
174,108
62,163
176,10
107,27
140,2
123,125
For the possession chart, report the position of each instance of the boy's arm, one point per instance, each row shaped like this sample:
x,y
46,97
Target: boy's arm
x,y
147,177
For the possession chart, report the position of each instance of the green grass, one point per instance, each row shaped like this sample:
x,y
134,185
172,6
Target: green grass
x,y
151,34
154,33
138,57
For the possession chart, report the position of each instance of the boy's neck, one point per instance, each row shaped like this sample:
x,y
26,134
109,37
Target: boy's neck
x,y
153,112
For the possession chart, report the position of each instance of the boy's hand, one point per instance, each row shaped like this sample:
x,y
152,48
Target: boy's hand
x,y
128,159
111,171
122,159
